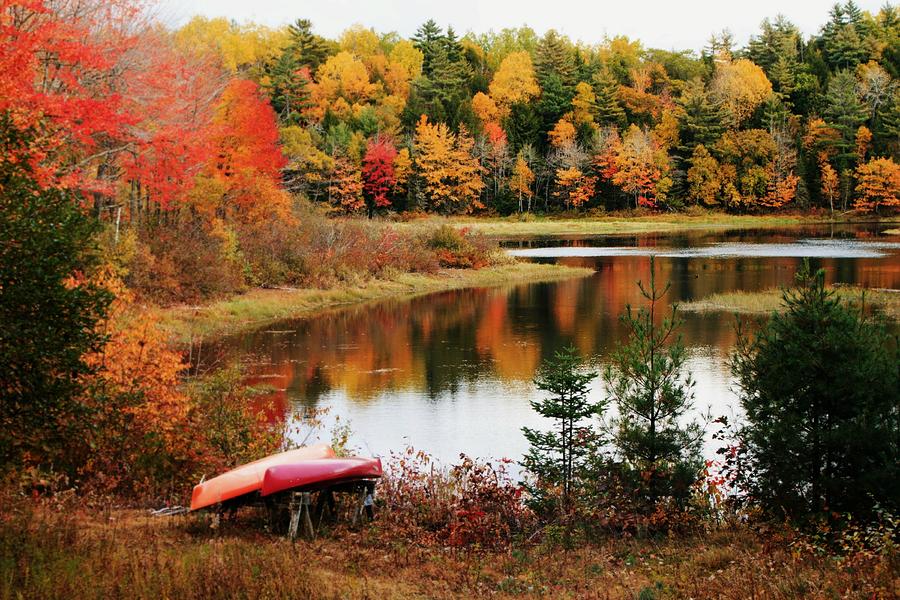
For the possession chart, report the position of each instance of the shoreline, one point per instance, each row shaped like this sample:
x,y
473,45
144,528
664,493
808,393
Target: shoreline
x,y
258,307
625,224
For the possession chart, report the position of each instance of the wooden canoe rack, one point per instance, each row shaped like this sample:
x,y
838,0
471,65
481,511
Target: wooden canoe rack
x,y
306,517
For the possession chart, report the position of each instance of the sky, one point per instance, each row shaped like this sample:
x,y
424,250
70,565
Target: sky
x,y
666,24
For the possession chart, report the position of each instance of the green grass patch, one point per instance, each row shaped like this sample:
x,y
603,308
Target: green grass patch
x,y
261,306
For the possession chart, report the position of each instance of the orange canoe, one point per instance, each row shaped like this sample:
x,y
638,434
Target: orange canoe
x,y
311,475
249,478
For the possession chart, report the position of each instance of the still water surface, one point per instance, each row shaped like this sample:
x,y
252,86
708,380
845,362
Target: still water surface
x,y
452,372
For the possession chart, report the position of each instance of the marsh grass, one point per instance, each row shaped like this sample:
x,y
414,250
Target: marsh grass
x,y
614,223
885,302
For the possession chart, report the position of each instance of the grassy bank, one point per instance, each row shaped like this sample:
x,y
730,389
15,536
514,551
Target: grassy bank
x,y
116,554
885,301
258,307
622,223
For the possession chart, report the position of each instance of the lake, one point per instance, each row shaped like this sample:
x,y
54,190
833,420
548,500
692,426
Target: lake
x,y
452,372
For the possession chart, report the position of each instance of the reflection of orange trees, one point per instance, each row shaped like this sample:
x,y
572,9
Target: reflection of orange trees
x,y
515,358
433,342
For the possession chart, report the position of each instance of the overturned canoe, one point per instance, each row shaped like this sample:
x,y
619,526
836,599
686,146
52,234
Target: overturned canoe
x,y
249,478
311,475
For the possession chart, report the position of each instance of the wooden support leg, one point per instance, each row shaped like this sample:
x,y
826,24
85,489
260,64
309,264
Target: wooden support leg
x,y
324,503
308,528
369,501
295,518
359,509
300,512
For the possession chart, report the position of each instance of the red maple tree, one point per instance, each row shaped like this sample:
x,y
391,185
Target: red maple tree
x,y
378,171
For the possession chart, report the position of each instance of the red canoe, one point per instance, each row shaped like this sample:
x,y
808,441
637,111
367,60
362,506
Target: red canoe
x,y
249,478
310,475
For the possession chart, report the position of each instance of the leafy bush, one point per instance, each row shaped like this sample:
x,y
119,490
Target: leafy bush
x,y
49,309
472,503
459,248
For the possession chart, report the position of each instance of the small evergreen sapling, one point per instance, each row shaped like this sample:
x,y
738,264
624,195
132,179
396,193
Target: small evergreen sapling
x,y
646,380
558,458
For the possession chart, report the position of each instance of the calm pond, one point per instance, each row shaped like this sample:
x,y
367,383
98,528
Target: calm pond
x,y
452,372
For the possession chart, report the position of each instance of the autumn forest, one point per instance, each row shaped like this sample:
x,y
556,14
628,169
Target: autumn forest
x,y
166,184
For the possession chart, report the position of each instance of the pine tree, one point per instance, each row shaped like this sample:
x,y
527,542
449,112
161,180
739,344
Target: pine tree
x,y
554,103
702,119
427,40
845,112
307,48
819,385
778,40
288,88
609,111
560,457
843,38
553,58
646,381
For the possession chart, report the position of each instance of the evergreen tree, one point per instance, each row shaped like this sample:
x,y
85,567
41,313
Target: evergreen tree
x,y
307,49
553,58
845,112
555,101
444,92
778,40
609,111
288,88
702,118
889,134
820,388
646,381
522,125
843,38
559,458
427,40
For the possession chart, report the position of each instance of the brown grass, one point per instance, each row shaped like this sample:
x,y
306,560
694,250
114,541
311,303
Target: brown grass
x,y
886,302
128,554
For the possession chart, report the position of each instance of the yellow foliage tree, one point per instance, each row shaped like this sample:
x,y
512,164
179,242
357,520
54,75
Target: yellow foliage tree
x,y
451,176
573,187
584,105
741,86
562,134
485,108
345,190
514,81
829,179
521,180
640,165
341,77
704,177
239,47
863,141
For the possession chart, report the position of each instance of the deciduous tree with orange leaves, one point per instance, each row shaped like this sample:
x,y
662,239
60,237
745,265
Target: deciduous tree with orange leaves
x,y
878,186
